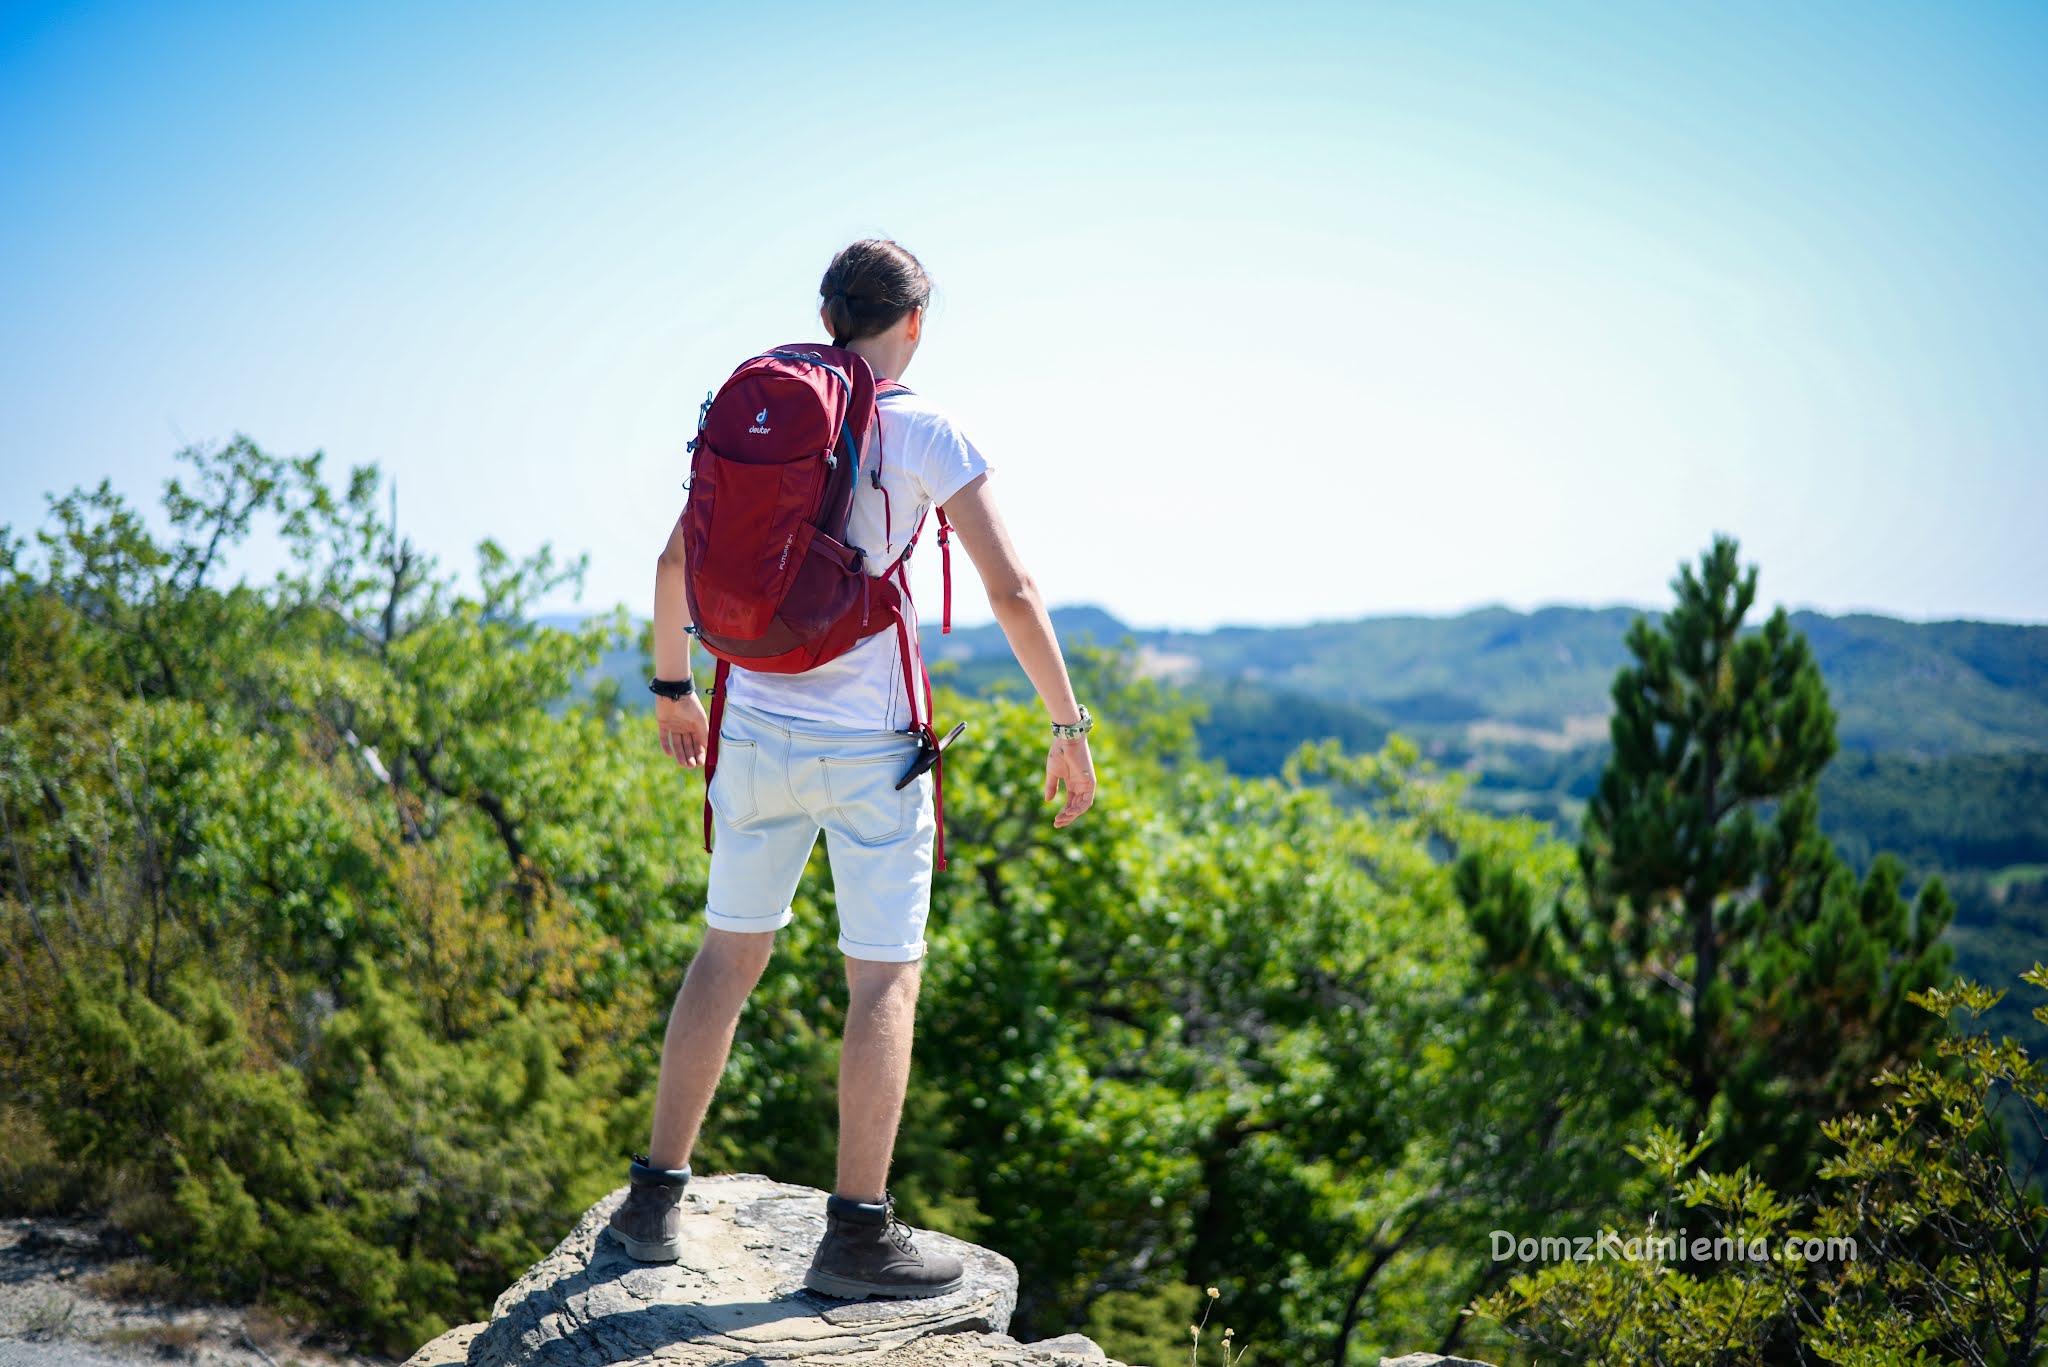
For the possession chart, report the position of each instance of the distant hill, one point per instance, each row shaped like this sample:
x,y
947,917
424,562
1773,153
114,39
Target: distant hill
x,y
1923,689
1496,676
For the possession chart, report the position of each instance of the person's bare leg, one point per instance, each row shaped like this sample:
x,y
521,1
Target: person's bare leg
x,y
699,1037
874,1070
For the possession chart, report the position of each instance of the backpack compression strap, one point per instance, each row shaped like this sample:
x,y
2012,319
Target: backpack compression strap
x,y
945,572
921,725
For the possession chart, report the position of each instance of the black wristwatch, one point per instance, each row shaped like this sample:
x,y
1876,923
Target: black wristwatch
x,y
672,688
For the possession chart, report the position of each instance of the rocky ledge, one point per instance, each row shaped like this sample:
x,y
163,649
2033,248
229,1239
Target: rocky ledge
x,y
737,1297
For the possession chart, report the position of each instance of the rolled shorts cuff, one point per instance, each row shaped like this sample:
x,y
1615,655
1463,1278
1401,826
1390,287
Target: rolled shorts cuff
x,y
749,925
882,954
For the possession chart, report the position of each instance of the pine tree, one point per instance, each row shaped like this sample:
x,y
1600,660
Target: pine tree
x,y
1718,924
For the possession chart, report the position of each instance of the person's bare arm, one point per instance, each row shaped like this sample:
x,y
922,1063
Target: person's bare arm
x,y
683,727
1020,612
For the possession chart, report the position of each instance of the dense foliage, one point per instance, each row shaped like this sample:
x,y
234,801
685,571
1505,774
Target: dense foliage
x,y
1922,1246
338,946
340,926
316,923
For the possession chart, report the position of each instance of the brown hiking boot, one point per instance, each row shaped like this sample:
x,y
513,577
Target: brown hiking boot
x,y
867,1252
649,1222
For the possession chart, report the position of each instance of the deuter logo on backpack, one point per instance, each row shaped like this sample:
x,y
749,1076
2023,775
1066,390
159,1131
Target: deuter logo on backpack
x,y
760,427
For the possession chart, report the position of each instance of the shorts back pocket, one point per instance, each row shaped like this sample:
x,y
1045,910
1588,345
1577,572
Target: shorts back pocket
x,y
864,795
732,785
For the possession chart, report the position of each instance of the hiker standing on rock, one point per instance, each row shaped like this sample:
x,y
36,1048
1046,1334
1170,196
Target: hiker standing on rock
x,y
812,473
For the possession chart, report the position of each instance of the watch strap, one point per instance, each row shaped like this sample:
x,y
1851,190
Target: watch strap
x,y
1063,731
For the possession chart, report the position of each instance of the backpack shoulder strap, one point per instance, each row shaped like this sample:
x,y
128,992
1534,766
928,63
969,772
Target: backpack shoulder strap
x,y
887,387
883,388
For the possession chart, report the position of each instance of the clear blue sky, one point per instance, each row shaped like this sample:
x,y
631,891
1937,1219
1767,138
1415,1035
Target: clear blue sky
x,y
1263,314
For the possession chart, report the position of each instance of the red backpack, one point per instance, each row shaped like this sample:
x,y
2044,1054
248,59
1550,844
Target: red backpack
x,y
773,584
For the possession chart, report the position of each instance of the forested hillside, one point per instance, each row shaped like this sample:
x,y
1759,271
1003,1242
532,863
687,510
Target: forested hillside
x,y
1927,689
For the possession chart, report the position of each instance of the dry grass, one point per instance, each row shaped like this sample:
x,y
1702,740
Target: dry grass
x,y
133,1279
169,1338
268,1330
48,1318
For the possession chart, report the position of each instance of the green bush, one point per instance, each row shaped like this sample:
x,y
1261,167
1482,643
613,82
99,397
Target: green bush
x,y
1927,1246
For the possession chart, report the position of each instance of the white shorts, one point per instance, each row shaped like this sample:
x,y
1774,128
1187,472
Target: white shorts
x,y
779,782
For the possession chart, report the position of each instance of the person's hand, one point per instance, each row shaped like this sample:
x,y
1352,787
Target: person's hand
x,y
1069,762
684,728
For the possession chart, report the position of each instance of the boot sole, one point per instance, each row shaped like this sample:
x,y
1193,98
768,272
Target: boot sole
x,y
650,1250
848,1289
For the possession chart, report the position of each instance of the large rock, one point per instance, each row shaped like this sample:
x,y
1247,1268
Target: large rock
x,y
737,1296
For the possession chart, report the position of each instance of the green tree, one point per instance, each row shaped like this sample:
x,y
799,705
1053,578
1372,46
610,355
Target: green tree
x,y
1718,927
230,814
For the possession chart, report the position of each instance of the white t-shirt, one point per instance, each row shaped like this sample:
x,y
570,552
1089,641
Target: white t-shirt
x,y
925,461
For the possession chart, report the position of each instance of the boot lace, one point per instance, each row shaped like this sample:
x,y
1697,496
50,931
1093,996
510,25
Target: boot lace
x,y
899,1233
